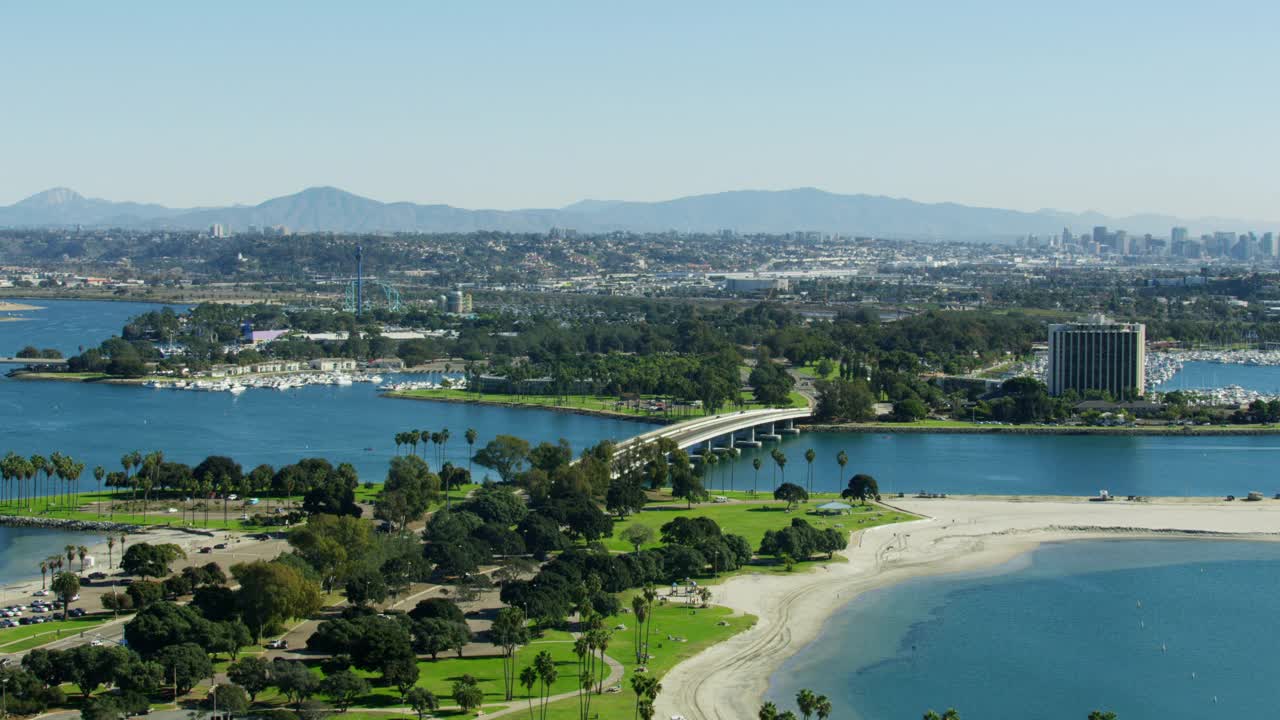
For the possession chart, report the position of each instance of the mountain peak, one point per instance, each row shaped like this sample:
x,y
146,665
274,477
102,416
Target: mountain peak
x,y
53,197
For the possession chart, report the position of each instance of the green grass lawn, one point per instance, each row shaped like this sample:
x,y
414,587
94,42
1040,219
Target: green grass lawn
x,y
698,628
25,637
811,371
86,509
752,520
606,404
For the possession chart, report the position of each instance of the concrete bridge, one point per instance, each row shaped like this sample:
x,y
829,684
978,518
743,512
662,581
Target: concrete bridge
x,y
717,433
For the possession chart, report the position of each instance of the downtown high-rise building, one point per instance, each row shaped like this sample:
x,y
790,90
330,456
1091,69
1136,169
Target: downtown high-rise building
x,y
1098,355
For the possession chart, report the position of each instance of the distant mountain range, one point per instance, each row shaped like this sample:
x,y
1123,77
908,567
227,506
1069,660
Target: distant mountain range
x,y
328,208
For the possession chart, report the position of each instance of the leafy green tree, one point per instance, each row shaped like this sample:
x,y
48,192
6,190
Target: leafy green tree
x,y
791,493
185,664
505,454
467,693
435,635
861,487
1100,715
146,560
251,673
366,585
638,534
162,624
294,680
230,698
271,592
402,674
343,688
103,707
422,701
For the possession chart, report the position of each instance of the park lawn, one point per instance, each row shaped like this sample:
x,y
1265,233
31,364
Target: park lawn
x,y
811,370
604,404
25,637
85,509
699,628
752,520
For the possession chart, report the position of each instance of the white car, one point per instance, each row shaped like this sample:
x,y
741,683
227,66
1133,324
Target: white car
x,y
41,592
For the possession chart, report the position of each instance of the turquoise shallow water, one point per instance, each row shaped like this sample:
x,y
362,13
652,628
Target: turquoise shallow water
x,y
1151,630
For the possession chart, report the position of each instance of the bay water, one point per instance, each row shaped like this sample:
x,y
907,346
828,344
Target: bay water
x,y
1150,630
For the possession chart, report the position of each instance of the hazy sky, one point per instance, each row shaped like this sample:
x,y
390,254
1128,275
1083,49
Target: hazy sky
x,y
1119,106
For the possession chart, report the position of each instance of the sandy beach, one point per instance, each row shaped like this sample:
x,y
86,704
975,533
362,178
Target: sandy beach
x,y
958,534
16,307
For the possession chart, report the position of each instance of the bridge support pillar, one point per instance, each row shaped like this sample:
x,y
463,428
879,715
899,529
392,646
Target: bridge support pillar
x,y
789,428
750,440
772,434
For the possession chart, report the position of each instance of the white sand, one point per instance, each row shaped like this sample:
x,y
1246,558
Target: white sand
x,y
727,681
16,307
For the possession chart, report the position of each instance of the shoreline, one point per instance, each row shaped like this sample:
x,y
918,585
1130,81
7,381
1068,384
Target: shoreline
x,y
17,307
728,681
395,395
1150,430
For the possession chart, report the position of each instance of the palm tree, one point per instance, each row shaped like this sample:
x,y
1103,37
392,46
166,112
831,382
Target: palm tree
x,y
768,711
773,453
99,472
70,550
399,441
710,461
38,465
435,440
72,475
842,459
755,463
471,436
414,437
224,487
781,460
822,707
82,552
44,570
733,462
809,457
111,546
806,700
444,445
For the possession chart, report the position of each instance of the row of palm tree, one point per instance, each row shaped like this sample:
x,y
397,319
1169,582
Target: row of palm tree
x,y
440,440
810,704
779,465
23,486
54,564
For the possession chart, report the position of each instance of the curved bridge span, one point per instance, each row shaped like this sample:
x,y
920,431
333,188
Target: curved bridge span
x,y
747,428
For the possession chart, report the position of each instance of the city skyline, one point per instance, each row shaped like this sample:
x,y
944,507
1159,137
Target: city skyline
x,y
506,106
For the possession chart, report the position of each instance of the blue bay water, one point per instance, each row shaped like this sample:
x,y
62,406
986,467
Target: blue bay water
x,y
1059,633
97,423
1201,375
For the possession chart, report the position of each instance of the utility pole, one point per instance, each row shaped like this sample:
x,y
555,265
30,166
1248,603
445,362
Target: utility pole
x,y
359,280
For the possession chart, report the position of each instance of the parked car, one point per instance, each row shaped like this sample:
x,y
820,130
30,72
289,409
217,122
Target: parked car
x,y
277,645
206,550
40,593
97,576
220,546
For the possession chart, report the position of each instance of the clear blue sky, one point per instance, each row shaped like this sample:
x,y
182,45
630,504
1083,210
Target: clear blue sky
x,y
1116,106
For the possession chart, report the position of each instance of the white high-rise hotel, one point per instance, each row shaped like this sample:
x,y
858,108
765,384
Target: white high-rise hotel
x,y
1098,355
